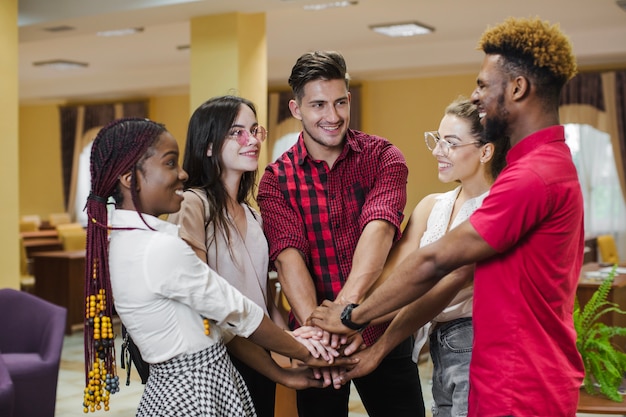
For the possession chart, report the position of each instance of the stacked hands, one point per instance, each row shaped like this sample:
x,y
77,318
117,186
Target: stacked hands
x,y
342,351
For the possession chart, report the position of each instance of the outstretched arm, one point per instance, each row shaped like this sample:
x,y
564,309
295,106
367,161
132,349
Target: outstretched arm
x,y
415,276
296,282
260,360
408,320
411,238
368,260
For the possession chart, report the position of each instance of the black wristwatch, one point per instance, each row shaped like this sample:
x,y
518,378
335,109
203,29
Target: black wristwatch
x,y
346,320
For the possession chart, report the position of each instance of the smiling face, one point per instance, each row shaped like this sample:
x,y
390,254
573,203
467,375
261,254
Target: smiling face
x,y
325,114
160,178
241,155
489,97
462,161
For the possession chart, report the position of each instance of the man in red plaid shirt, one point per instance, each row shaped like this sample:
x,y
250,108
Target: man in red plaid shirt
x,y
332,206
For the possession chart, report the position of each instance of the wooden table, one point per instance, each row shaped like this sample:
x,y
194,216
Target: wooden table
x,y
40,234
32,246
593,404
587,286
59,278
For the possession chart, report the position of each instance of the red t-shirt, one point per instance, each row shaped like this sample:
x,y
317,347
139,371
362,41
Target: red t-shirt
x,y
525,361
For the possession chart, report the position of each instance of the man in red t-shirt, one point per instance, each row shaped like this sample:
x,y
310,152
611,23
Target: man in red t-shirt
x,y
526,239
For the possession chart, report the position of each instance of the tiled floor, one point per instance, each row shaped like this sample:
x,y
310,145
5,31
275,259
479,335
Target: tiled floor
x,y
124,403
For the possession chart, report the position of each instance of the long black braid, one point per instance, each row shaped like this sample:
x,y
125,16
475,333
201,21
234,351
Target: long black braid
x,y
120,147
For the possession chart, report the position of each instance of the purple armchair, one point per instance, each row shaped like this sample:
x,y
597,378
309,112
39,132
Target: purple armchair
x,y
7,393
31,340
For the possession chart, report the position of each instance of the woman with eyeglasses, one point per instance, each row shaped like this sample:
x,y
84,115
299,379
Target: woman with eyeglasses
x,y
221,158
463,155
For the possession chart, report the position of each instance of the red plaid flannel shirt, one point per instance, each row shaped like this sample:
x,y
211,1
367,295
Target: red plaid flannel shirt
x,y
322,212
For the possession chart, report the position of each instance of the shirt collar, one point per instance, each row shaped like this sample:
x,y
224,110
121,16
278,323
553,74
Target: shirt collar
x,y
131,219
301,152
533,141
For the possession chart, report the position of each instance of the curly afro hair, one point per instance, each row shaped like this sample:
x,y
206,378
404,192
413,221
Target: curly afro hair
x,y
532,43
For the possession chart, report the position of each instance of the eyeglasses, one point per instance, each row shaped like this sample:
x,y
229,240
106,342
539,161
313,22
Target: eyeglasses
x,y
433,138
242,135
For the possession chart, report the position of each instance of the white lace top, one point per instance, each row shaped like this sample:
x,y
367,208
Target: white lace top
x,y
436,227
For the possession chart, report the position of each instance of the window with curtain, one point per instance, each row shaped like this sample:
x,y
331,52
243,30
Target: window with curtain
x,y
592,151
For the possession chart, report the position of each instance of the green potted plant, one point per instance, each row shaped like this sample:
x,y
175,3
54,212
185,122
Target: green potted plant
x,y
605,363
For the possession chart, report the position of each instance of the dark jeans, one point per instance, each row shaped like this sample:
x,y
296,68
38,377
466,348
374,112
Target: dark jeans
x,y
262,389
392,389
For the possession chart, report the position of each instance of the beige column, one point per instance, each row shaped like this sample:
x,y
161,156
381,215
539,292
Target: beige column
x,y
229,56
9,99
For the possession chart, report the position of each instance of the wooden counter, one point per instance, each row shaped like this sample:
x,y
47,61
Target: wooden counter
x,y
32,246
40,234
59,278
597,404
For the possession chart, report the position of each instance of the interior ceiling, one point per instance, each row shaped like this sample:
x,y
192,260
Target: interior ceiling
x,y
149,63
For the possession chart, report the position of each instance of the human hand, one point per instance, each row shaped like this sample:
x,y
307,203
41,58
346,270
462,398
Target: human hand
x,y
302,377
353,344
322,368
333,340
368,360
311,338
308,332
328,339
331,375
328,317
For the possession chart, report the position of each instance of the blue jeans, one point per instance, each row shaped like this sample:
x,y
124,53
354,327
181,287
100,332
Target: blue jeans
x,y
451,351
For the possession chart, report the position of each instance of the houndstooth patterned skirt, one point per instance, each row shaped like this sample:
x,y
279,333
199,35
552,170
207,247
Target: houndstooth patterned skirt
x,y
202,384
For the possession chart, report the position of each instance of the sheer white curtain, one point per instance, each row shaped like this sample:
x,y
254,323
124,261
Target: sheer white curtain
x,y
605,211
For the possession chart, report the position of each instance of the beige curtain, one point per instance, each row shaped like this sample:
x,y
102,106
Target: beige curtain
x,y
591,99
597,99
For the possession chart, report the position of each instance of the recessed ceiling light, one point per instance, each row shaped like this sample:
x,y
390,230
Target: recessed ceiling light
x,y
324,6
120,32
402,29
61,64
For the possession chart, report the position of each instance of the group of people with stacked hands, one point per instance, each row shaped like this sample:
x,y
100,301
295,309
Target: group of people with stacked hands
x,y
486,273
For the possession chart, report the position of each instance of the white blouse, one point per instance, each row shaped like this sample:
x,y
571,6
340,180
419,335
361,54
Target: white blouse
x,y
161,289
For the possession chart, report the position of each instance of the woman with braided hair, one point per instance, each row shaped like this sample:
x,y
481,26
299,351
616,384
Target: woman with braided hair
x,y
178,311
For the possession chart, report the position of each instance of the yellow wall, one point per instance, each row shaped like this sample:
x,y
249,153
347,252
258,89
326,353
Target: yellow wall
x,y
400,110
9,138
40,175
41,183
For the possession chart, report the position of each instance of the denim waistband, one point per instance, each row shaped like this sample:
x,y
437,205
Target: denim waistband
x,y
444,326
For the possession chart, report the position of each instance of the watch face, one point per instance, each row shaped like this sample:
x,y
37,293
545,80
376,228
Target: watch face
x,y
346,315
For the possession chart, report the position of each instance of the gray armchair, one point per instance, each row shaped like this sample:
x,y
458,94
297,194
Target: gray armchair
x,y
31,341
